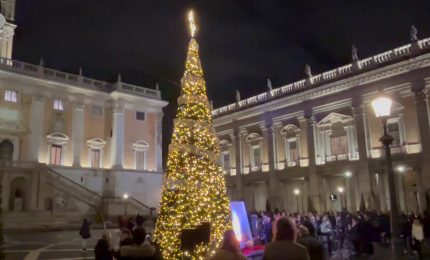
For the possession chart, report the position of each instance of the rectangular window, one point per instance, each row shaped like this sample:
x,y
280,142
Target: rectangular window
x,y
226,162
11,96
339,145
55,154
140,115
95,158
393,130
293,151
96,111
256,156
140,160
59,104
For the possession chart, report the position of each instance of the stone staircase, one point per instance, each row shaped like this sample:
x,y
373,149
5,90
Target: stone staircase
x,y
75,203
26,220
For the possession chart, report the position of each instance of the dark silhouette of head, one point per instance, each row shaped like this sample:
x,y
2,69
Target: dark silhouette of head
x,y
139,235
285,230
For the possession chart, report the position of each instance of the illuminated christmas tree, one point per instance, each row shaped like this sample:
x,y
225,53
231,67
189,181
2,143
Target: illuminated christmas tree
x,y
194,189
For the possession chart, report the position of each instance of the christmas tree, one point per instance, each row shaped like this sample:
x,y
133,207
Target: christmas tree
x,y
194,189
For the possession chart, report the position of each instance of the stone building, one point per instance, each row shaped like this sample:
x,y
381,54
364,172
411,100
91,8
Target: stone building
x,y
71,145
319,136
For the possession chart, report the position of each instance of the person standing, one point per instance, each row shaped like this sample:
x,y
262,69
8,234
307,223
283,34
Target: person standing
x,y
85,233
284,246
315,248
229,249
417,237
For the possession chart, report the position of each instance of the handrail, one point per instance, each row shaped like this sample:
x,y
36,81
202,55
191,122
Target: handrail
x,y
75,184
130,199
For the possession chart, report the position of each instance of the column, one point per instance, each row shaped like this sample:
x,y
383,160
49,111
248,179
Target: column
x,y
36,128
422,107
77,132
266,148
420,189
274,130
363,178
159,142
117,141
237,142
275,199
401,192
381,191
313,177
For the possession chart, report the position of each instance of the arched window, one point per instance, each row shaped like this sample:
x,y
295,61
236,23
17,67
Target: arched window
x,y
6,150
140,154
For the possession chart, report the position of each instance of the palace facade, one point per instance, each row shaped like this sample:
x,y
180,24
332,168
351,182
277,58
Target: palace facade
x,y
292,147
74,146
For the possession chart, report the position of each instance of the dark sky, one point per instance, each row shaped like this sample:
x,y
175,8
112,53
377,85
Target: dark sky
x,y
242,42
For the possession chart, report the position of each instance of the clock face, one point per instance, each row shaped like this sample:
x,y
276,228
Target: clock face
x,y
2,21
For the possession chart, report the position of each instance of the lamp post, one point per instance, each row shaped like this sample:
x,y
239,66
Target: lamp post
x,y
382,108
340,190
125,197
297,193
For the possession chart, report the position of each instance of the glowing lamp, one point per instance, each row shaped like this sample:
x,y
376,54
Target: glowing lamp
x,y
297,192
340,189
125,196
382,106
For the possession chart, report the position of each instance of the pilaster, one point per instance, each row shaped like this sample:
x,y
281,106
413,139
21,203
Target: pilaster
x,y
77,132
117,141
363,174
36,127
422,108
159,142
314,180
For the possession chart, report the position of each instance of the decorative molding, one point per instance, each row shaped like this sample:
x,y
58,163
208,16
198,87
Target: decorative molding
x,y
140,145
96,143
57,138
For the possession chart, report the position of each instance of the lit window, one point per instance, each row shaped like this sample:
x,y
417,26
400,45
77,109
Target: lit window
x,y
11,96
55,154
292,151
59,104
255,156
140,160
95,158
96,111
140,115
339,145
393,130
226,161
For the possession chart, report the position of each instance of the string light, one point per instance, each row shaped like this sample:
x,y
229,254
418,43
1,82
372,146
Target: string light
x,y
194,189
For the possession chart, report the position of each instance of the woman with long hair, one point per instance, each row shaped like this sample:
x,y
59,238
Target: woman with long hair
x,y
230,248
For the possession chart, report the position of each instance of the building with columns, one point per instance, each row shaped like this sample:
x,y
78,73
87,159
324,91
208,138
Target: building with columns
x,y
71,145
320,136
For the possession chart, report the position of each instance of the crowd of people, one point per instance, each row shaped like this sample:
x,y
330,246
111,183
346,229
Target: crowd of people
x,y
310,236
352,234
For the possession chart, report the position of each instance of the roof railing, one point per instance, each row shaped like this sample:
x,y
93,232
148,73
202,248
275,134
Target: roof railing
x,y
348,69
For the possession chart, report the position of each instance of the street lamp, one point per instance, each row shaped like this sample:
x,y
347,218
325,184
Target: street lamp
x,y
341,190
125,197
297,193
382,108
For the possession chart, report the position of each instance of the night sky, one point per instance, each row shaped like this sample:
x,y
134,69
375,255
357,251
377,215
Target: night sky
x,y
242,42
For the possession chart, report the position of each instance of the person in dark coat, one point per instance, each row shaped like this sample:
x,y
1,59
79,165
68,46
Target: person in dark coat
x,y
85,233
315,248
102,250
139,220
